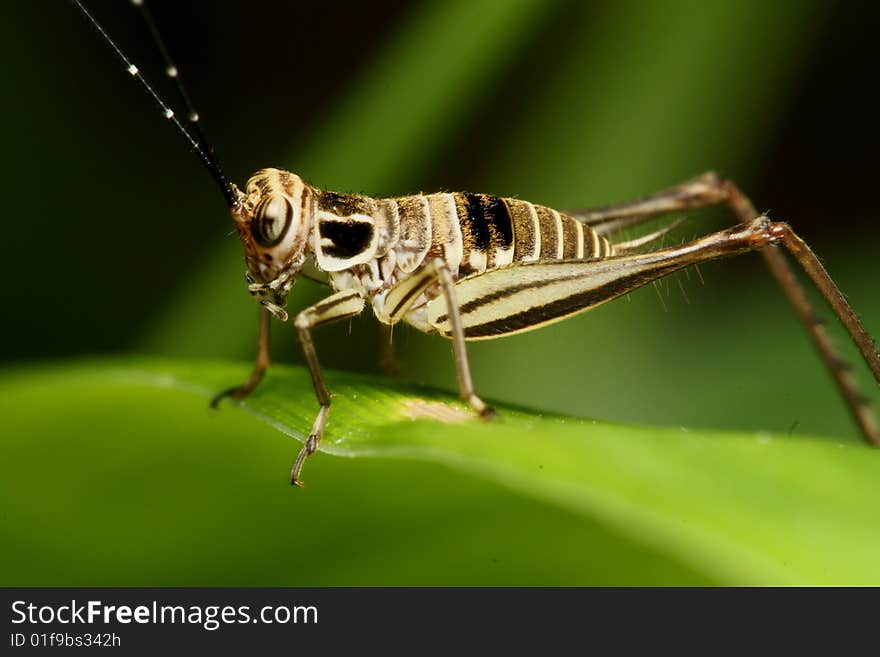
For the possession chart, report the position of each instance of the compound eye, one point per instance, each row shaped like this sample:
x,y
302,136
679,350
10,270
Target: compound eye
x,y
271,221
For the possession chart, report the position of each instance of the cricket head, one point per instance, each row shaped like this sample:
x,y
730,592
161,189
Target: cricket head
x,y
274,218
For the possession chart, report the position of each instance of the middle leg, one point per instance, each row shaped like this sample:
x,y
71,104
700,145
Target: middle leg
x,y
399,301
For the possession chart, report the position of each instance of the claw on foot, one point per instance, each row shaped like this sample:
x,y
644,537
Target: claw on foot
x,y
485,412
234,393
488,413
309,448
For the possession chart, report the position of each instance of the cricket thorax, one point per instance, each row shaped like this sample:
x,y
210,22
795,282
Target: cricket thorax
x,y
346,233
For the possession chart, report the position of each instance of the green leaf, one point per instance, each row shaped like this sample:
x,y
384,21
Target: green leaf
x,y
116,473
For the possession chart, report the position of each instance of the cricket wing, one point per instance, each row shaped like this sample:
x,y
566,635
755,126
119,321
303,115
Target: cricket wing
x,y
520,298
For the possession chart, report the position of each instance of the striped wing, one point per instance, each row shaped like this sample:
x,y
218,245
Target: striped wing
x,y
520,298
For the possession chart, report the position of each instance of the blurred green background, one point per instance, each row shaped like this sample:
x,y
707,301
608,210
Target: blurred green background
x,y
118,243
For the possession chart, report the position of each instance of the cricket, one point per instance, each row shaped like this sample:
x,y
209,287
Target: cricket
x,y
476,266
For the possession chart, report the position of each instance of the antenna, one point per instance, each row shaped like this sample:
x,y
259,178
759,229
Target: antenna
x,y
173,72
197,143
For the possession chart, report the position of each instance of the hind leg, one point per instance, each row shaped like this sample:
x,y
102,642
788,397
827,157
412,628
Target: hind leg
x,y
709,189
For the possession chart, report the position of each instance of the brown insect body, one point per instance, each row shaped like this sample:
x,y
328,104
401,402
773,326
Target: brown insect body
x,y
371,245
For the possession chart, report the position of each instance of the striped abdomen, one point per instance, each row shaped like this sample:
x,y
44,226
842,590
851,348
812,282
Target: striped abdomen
x,y
476,232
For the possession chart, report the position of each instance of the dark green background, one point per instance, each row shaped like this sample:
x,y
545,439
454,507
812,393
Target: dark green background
x,y
117,242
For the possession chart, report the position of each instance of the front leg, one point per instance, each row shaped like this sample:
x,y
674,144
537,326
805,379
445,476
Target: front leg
x,y
260,366
337,306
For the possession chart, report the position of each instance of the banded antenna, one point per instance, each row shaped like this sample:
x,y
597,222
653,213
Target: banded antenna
x,y
173,72
197,142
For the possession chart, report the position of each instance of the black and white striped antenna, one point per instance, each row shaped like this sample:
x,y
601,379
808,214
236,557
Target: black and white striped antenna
x,y
195,139
171,70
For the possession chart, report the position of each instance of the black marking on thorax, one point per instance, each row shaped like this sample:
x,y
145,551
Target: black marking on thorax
x,y
344,235
348,237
